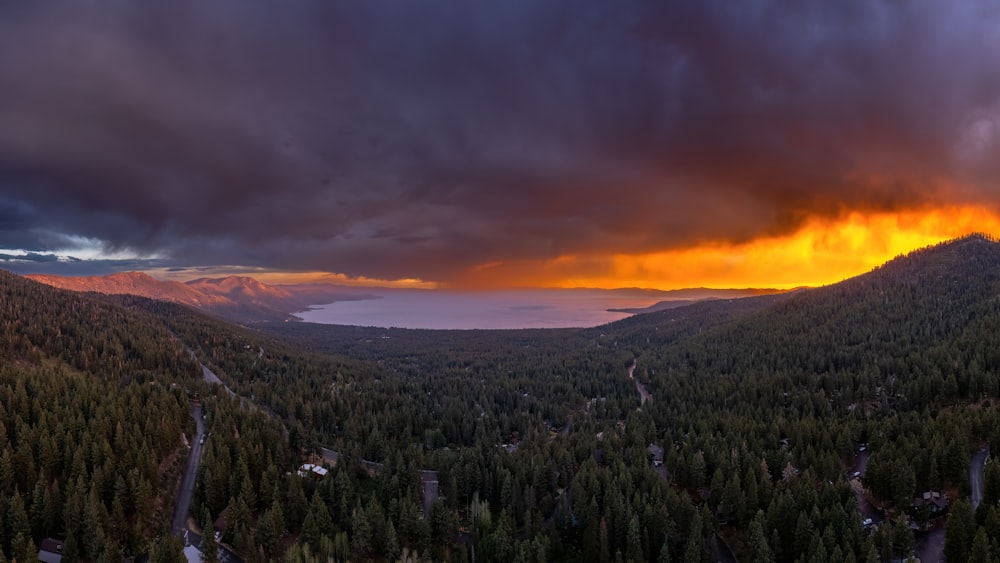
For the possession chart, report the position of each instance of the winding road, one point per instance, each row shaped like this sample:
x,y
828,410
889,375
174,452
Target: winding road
x,y
644,394
977,468
183,506
210,377
864,506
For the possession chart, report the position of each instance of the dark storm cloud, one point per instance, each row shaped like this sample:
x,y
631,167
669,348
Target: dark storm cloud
x,y
34,263
398,138
29,257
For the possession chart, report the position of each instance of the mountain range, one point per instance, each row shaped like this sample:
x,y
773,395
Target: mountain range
x,y
244,299
236,298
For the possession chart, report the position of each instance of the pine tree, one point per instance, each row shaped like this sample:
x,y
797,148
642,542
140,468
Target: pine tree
x,y
270,528
804,532
39,508
902,539
760,551
209,547
695,546
71,551
17,518
605,548
634,541
110,554
991,484
959,532
22,548
981,552
296,505
391,550
664,556
361,532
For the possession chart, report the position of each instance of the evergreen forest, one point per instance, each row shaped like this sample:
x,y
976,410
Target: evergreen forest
x,y
844,423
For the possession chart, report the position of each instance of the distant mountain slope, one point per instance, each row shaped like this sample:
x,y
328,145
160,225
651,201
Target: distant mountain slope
x,y
683,297
135,283
246,290
235,298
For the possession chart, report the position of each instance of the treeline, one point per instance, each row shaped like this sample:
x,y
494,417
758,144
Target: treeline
x,y
93,404
86,461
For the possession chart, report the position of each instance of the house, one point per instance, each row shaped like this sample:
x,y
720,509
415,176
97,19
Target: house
x,y
51,551
317,471
655,455
936,503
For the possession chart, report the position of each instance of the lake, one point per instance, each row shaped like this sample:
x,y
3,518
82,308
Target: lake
x,y
440,309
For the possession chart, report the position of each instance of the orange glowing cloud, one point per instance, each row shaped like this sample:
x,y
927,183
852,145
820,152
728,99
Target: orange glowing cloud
x,y
821,252
280,277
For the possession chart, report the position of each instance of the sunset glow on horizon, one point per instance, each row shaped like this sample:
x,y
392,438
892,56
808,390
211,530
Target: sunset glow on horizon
x,y
496,145
821,253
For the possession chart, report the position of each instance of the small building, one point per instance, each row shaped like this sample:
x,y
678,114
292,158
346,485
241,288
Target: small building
x,y
936,503
655,455
317,471
51,551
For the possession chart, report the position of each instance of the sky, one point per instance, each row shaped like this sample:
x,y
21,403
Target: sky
x,y
484,144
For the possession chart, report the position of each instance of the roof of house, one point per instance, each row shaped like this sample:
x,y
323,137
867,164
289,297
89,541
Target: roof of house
x,y
317,470
50,551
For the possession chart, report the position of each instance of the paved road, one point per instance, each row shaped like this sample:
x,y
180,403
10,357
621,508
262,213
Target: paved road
x,y
210,377
644,394
724,554
976,469
430,496
183,506
861,463
865,507
929,546
330,456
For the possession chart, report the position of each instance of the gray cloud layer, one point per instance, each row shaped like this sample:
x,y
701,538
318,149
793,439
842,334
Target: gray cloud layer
x,y
392,138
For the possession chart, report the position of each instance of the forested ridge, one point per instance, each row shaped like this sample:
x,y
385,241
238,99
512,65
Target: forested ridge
x,y
541,449
92,408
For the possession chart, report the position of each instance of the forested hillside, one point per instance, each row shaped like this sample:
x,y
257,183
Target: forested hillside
x,y
527,445
92,408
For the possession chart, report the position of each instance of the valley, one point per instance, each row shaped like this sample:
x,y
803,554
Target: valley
x,y
780,423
